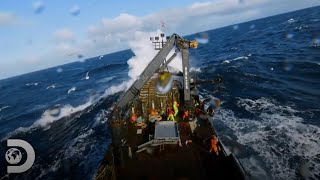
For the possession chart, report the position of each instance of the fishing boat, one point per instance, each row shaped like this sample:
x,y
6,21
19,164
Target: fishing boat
x,y
162,129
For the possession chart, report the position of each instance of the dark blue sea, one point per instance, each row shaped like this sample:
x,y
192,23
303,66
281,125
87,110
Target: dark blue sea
x,y
269,116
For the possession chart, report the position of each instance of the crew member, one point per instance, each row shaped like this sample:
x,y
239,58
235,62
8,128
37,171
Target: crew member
x,y
175,108
134,118
170,115
214,147
185,114
195,102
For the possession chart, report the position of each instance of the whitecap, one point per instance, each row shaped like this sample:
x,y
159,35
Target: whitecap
x,y
226,61
51,115
290,21
286,137
34,84
117,88
144,53
4,107
101,117
78,144
241,57
195,69
235,59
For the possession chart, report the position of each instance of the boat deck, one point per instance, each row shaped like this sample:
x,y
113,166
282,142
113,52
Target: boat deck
x,y
182,151
177,161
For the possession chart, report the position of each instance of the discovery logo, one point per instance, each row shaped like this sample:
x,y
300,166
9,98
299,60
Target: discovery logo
x,y
14,156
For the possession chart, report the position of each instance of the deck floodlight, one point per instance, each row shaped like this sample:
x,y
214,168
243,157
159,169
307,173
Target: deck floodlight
x,y
162,35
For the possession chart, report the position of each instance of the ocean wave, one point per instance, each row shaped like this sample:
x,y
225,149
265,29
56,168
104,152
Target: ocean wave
x,y
105,80
34,84
235,59
75,153
117,88
108,67
101,117
55,114
263,105
195,69
278,136
78,144
3,108
51,115
84,149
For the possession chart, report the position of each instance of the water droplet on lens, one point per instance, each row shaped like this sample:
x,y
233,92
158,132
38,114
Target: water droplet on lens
x,y
203,38
286,65
75,10
289,36
235,27
304,170
38,7
59,70
316,42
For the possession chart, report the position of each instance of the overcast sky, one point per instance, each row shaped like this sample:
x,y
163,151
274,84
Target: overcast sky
x,y
40,34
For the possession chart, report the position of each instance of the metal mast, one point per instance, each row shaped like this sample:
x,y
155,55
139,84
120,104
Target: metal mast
x,y
158,61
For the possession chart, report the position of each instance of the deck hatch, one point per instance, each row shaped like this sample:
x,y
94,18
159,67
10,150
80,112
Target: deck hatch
x,y
166,130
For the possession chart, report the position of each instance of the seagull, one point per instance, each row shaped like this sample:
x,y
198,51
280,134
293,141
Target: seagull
x,y
87,76
52,86
72,89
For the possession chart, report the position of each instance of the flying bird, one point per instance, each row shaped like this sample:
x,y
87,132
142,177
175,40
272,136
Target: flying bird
x,y
72,89
87,76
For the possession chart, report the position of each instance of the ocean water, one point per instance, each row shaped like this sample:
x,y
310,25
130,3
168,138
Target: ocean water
x,y
269,116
